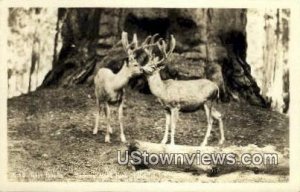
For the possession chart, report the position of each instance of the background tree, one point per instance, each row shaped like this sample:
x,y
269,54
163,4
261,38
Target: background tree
x,y
211,43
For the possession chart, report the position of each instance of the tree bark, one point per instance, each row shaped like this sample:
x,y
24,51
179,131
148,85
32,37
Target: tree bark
x,y
77,56
209,46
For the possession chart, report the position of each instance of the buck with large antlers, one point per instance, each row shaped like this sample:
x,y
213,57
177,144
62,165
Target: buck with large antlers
x,y
109,87
181,95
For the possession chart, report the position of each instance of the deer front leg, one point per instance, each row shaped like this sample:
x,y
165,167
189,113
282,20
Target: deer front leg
x,y
108,130
168,122
95,130
122,135
97,117
174,117
217,115
209,124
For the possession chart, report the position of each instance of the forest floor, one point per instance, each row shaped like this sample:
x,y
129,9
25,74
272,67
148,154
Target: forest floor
x,y
50,137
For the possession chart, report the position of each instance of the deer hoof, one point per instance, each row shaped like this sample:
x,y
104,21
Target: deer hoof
x,y
107,139
95,131
110,130
123,139
203,144
164,141
221,142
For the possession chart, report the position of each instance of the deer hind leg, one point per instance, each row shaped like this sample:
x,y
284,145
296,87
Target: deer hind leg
x,y
217,115
168,122
97,117
174,117
108,130
207,110
122,135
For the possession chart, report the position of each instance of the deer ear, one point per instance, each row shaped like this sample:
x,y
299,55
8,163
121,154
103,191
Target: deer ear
x,y
156,58
161,67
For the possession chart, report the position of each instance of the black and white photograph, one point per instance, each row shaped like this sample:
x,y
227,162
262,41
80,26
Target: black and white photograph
x,y
148,94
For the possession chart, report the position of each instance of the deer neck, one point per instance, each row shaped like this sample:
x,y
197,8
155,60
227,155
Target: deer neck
x,y
122,77
156,84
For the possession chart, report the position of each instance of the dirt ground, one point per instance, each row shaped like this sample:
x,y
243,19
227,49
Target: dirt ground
x,y
50,137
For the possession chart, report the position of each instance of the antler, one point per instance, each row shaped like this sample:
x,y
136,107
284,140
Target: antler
x,y
126,45
146,45
162,47
152,42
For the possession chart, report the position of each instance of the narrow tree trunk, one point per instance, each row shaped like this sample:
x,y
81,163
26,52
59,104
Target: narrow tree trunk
x,y
35,54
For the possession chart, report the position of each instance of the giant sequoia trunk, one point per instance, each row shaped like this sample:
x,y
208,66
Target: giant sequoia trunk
x,y
211,44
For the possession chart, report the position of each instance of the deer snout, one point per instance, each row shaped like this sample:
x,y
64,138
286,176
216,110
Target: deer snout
x,y
146,69
141,70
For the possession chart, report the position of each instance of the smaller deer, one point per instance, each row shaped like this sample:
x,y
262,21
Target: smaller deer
x,y
181,95
109,87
